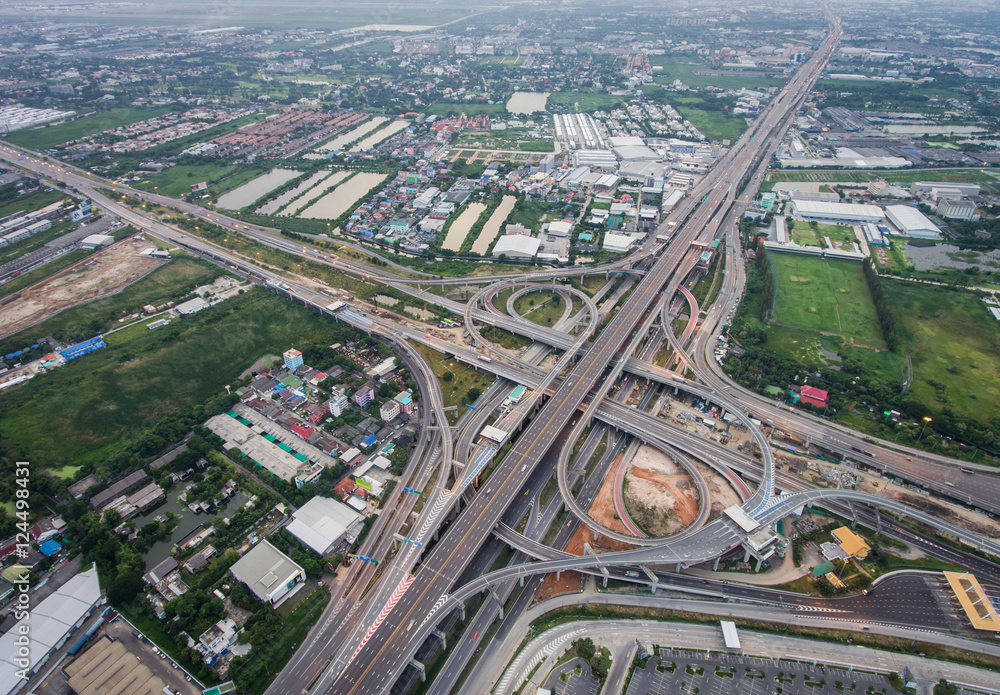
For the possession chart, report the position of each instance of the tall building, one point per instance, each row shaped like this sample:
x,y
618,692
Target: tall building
x,y
293,359
337,404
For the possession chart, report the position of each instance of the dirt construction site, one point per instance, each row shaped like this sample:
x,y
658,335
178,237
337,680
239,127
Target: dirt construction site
x,y
100,275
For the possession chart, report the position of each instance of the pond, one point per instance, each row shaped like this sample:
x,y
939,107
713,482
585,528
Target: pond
x,y
523,103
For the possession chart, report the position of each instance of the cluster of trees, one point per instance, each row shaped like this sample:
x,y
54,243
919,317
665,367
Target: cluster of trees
x,y
599,662
883,310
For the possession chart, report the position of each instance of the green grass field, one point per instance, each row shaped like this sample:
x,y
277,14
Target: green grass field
x,y
829,296
50,136
683,68
463,378
954,344
176,181
583,102
714,125
543,308
84,412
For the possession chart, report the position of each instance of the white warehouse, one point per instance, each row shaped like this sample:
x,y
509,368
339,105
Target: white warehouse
x,y
840,212
516,246
912,222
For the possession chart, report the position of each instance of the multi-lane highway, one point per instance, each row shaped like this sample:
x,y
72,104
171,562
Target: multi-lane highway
x,y
367,645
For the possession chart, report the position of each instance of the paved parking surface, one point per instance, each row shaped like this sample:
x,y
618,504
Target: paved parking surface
x,y
583,683
680,671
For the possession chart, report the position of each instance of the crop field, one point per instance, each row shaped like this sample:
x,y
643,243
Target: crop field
x,y
380,135
99,404
324,184
250,192
343,197
176,181
829,296
50,136
344,139
954,344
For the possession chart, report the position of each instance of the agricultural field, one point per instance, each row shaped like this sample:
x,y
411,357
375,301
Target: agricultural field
x,y
461,225
176,181
101,403
323,185
50,136
493,225
828,296
343,197
275,204
344,139
954,344
252,191
380,135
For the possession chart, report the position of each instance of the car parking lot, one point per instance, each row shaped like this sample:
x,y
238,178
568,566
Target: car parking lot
x,y
681,671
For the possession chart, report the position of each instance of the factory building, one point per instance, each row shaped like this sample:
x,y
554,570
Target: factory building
x,y
268,573
912,222
323,524
516,246
955,209
836,212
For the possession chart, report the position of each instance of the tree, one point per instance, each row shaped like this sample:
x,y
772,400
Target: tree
x,y
600,664
943,687
584,648
125,588
473,393
447,376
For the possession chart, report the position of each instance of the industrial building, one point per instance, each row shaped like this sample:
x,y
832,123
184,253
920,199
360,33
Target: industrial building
x,y
516,246
50,623
837,212
268,573
912,222
937,189
618,243
95,241
108,667
957,209
324,524
604,160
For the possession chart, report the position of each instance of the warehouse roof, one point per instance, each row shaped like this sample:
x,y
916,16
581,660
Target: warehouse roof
x,y
911,220
817,207
321,522
48,624
262,566
107,667
516,245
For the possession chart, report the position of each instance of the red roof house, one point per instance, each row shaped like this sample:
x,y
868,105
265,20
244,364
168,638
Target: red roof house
x,y
815,396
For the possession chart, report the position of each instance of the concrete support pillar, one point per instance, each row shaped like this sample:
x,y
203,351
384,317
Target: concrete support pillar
x,y
558,574
420,667
759,561
746,554
441,636
521,581
715,565
654,581
461,612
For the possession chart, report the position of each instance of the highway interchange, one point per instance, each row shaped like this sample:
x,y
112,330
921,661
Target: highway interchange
x,y
354,649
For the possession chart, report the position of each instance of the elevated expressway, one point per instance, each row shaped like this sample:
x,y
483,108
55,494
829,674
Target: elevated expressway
x,y
376,663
